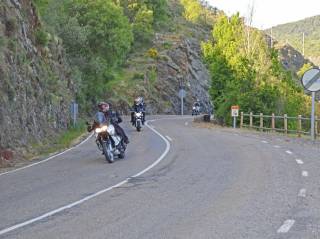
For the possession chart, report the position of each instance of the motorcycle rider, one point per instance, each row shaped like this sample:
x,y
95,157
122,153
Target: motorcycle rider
x,y
138,106
114,118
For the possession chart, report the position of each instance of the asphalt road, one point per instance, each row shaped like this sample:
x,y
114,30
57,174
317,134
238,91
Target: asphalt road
x,y
179,180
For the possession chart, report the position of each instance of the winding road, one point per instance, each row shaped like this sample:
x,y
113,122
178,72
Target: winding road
x,y
179,180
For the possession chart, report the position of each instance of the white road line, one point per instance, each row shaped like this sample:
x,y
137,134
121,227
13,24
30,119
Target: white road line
x,y
277,146
168,138
305,174
71,205
299,161
46,160
286,226
302,193
263,141
289,152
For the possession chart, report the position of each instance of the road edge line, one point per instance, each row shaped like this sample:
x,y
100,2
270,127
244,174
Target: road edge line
x,y
76,203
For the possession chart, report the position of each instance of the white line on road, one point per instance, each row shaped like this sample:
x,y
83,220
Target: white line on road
x,y
289,152
71,205
277,146
263,141
305,174
302,193
299,161
286,226
169,138
46,160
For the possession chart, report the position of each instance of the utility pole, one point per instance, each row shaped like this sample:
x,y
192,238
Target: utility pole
x,y
271,41
303,35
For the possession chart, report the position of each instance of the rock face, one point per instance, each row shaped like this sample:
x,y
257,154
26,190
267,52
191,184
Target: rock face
x,y
182,67
291,59
35,83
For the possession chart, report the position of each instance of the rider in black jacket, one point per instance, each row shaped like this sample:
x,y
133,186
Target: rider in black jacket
x,y
114,118
138,106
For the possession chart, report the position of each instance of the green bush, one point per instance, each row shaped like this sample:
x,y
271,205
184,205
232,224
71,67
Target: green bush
x,y
167,45
138,76
42,37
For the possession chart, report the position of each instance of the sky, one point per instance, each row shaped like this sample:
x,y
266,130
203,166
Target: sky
x,y
269,13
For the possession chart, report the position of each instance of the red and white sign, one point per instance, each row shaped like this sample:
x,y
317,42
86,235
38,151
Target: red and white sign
x,y
235,110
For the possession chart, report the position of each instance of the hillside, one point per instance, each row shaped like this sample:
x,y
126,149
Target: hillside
x,y
36,85
291,59
56,51
172,60
292,33
159,52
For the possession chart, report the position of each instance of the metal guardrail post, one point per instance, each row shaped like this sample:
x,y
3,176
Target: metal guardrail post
x,y
251,119
316,126
299,125
261,122
241,120
273,122
285,118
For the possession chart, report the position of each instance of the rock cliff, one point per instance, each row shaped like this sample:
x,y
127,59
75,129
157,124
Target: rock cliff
x,y
35,83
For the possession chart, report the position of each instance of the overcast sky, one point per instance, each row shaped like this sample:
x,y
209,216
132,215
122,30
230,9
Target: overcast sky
x,y
269,13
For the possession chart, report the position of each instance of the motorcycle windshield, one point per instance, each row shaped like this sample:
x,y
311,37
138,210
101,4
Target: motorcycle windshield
x,y
100,118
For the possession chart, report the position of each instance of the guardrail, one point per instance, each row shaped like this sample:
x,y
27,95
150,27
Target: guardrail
x,y
286,124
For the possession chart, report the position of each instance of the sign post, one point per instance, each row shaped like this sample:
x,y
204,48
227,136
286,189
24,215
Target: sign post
x,y
235,114
311,82
182,94
74,112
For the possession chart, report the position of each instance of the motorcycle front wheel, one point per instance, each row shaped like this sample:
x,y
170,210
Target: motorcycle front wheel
x,y
107,152
138,125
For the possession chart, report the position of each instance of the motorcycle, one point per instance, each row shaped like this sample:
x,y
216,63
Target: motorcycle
x,y
138,119
195,110
108,141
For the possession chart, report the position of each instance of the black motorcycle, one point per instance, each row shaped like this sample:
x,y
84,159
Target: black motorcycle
x,y
138,120
108,141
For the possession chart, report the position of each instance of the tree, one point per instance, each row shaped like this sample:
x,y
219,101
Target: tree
x,y
110,34
304,68
143,25
251,77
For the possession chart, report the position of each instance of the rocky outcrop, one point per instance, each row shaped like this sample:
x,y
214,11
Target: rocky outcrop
x,y
181,67
35,82
291,59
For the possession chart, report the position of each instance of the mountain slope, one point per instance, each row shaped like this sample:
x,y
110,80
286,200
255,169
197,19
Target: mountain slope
x,y
158,70
35,84
292,33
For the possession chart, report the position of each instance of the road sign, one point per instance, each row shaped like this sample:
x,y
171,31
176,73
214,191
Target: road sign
x,y
182,93
311,80
235,110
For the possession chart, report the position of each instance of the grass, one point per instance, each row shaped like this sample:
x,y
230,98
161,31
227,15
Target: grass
x,y
63,141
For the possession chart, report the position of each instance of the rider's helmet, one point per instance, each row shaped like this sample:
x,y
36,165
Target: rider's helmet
x,y
138,100
103,106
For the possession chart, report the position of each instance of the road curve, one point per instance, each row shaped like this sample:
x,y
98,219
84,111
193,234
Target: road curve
x,y
211,184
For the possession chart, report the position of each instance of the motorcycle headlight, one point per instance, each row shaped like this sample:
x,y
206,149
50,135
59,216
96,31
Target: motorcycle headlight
x,y
102,129
138,114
